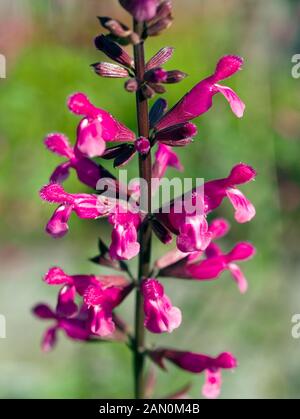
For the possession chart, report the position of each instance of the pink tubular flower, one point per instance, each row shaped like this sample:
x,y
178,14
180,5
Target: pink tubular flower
x,y
96,128
160,315
199,99
72,284
192,228
198,363
168,263
84,205
125,224
141,10
87,171
75,328
217,262
180,265
101,301
165,157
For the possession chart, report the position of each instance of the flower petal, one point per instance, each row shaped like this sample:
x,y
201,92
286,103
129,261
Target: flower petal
x,y
236,104
244,210
213,383
57,226
59,144
238,277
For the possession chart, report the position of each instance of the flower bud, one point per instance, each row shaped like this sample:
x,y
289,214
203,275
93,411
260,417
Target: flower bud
x,y
175,76
142,145
141,10
157,75
113,51
115,27
110,70
158,27
131,85
147,91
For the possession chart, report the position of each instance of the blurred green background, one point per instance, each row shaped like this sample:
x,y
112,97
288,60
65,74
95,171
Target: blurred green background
x,y
49,46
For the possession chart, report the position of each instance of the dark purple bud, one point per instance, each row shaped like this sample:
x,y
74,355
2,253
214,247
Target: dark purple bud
x,y
113,51
110,70
131,85
161,232
177,135
115,27
160,58
141,10
175,76
125,156
142,145
157,75
147,91
157,111
158,27
113,152
158,88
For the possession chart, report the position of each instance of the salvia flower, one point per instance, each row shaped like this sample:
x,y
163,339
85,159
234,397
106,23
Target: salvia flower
x,y
199,99
217,262
100,302
75,328
160,315
87,171
124,245
85,206
192,228
198,363
96,128
165,157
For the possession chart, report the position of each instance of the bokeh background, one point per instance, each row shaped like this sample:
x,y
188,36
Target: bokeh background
x,y
49,46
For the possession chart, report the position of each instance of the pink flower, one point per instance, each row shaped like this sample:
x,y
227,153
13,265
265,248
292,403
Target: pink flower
x,y
192,228
84,205
160,315
198,363
72,284
141,9
101,301
217,262
75,328
180,265
165,157
87,171
96,128
199,99
168,263
124,245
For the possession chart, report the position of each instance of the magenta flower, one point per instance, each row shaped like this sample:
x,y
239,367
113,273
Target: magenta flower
x,y
87,171
100,302
168,263
192,229
141,9
124,245
198,363
217,262
84,205
199,99
96,128
74,328
165,157
160,315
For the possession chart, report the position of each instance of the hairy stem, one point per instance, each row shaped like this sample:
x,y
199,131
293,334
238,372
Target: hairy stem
x,y
145,231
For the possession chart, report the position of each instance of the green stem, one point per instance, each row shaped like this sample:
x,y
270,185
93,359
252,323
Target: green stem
x,y
145,230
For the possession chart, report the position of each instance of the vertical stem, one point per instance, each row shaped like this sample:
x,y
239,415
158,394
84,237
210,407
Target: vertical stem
x,y
145,231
